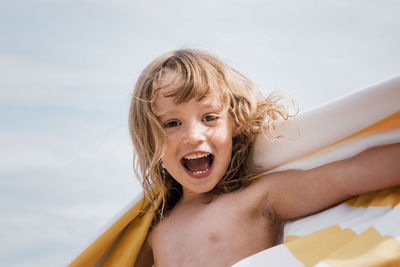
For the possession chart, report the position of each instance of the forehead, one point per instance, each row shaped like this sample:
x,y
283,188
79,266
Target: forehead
x,y
165,105
169,82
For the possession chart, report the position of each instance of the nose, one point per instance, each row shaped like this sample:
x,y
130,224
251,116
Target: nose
x,y
194,134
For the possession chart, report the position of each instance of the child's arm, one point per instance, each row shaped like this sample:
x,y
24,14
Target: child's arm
x,y
294,194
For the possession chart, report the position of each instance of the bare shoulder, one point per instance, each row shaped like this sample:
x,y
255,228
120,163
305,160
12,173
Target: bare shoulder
x,y
260,194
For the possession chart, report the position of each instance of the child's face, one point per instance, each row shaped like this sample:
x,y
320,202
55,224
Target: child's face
x,y
199,139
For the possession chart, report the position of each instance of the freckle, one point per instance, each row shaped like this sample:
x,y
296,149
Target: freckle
x,y
214,237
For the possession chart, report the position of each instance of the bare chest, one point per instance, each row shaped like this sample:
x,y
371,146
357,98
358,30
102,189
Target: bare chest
x,y
217,234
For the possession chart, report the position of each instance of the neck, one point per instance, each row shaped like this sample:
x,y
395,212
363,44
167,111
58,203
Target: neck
x,y
189,196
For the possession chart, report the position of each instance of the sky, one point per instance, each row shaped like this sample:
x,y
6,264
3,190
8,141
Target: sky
x,y
67,69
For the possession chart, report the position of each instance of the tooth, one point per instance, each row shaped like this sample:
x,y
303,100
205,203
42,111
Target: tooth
x,y
200,172
196,155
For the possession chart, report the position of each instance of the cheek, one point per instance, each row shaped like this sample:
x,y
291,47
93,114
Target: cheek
x,y
167,161
170,143
222,135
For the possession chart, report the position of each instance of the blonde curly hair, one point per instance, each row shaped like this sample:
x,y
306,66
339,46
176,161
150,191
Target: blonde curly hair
x,y
200,75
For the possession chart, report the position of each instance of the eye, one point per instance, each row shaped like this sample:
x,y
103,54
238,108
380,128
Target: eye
x,y
171,124
210,117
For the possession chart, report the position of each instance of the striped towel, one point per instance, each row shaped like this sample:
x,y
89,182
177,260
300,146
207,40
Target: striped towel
x,y
363,231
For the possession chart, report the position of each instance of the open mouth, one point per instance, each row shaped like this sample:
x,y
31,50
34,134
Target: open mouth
x,y
198,164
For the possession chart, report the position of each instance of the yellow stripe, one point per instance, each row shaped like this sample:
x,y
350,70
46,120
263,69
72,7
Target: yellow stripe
x,y
389,123
382,198
127,248
314,247
91,255
257,176
343,248
120,244
367,250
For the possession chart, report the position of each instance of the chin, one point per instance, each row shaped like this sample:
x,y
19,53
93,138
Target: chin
x,y
205,189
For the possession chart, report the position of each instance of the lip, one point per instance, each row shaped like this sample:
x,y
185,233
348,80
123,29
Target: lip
x,y
200,175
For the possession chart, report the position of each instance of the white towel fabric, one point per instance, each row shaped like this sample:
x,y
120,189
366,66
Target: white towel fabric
x,y
363,231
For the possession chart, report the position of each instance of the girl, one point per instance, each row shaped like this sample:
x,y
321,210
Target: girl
x,y
192,121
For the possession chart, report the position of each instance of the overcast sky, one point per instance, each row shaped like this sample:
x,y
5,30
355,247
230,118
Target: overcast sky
x,y
66,73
